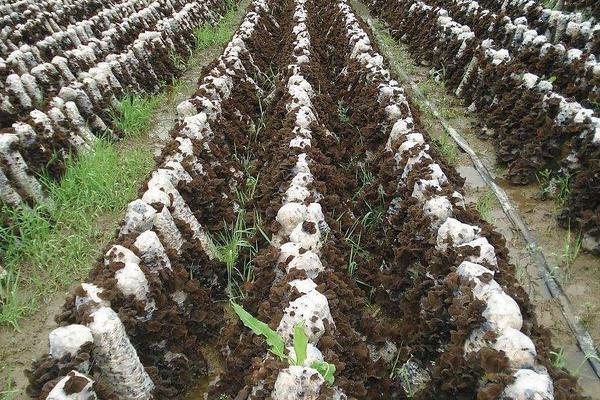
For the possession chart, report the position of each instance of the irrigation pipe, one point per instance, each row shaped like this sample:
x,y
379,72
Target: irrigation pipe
x,y
584,339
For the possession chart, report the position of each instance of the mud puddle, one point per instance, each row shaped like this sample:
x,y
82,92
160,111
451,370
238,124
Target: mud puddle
x,y
578,273
215,365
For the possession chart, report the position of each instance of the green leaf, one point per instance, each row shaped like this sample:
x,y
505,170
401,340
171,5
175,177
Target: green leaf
x,y
274,340
300,343
326,370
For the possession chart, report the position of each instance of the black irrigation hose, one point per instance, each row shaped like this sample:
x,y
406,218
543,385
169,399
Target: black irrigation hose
x,y
584,339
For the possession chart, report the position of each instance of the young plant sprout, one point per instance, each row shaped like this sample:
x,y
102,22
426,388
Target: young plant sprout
x,y
277,344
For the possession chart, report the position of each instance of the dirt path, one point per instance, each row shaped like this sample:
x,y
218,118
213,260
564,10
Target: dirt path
x,y
18,348
580,281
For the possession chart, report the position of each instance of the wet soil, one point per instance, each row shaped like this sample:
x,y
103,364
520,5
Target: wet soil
x,y
581,282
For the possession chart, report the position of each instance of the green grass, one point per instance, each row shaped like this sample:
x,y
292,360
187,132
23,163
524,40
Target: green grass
x,y
548,3
446,147
485,204
227,247
177,87
178,60
564,189
395,49
364,176
373,219
569,253
133,115
208,35
353,237
556,186
559,359
246,193
52,245
436,92
383,34
403,374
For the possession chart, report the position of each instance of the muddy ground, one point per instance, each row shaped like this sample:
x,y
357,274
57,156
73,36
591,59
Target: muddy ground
x,y
581,282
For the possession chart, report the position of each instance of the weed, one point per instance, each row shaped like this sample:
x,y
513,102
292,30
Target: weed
x,y
521,272
446,147
557,187
277,344
352,265
437,93
393,370
133,113
588,315
570,251
177,60
208,35
373,218
53,244
381,193
364,177
383,33
230,5
533,250
552,4
446,110
396,50
403,373
12,305
9,392
353,239
176,88
577,371
558,359
564,188
500,170
544,179
343,111
269,77
485,204
246,193
227,247
257,127
554,273
443,70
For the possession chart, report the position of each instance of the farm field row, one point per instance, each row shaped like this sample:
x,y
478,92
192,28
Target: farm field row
x,y
300,238
532,79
